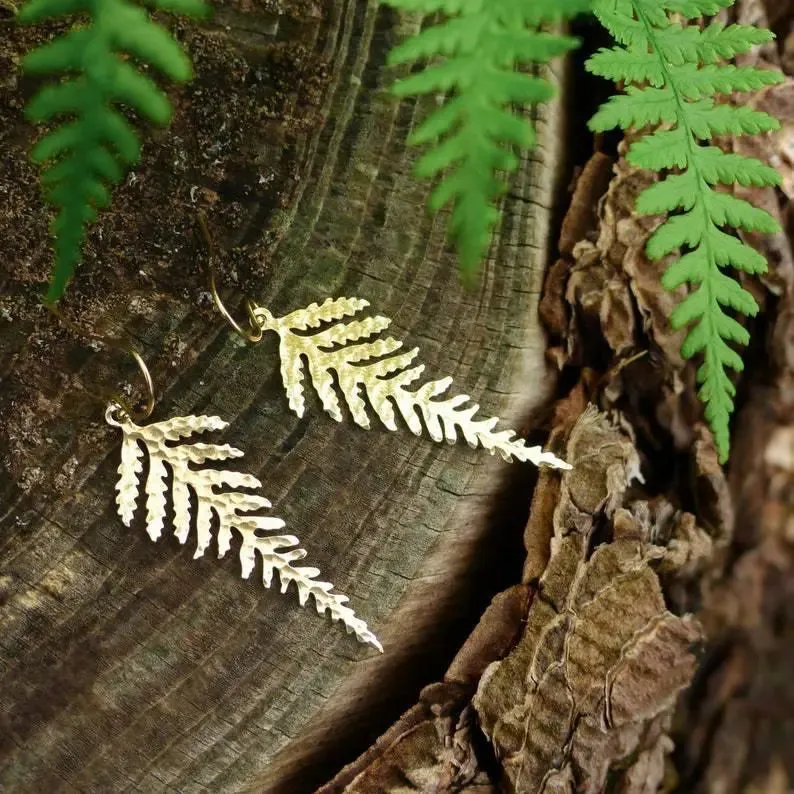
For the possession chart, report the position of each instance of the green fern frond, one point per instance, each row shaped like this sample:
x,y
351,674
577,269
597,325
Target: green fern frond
x,y
475,52
98,145
677,74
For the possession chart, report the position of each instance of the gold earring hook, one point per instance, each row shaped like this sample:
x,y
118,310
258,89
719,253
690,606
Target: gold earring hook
x,y
254,332
136,414
148,409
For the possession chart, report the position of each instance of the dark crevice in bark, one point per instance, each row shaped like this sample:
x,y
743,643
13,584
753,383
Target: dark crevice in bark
x,y
587,93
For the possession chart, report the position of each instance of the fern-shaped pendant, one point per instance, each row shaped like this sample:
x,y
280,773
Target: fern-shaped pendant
x,y
232,509
384,374
676,72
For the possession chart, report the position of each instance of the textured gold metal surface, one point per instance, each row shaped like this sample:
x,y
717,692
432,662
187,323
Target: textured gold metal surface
x,y
384,379
163,444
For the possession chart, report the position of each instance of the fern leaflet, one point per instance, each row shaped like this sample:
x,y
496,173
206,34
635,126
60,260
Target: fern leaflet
x,y
95,147
674,73
480,43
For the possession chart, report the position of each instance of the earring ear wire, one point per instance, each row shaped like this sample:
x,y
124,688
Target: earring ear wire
x,y
144,413
123,404
253,333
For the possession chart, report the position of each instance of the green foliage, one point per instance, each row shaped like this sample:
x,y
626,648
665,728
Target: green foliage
x,y
98,144
677,72
475,51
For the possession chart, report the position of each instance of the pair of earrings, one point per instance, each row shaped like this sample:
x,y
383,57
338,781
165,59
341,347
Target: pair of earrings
x,y
363,361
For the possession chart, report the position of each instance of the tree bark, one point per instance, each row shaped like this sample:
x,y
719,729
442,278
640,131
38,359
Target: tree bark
x,y
127,665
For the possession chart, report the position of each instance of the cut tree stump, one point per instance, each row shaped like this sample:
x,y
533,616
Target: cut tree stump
x,y
126,665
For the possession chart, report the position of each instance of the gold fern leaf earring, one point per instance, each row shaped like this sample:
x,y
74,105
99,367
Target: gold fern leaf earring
x,y
344,348
217,494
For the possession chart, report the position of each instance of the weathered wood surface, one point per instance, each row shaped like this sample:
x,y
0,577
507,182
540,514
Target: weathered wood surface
x,y
125,665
